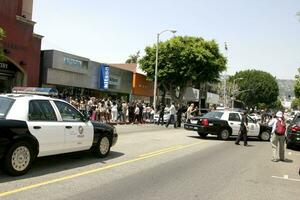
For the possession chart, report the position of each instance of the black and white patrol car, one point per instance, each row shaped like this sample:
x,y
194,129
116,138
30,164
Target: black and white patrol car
x,y
34,126
225,124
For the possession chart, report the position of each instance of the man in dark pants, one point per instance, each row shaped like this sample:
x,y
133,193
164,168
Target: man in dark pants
x,y
161,114
243,130
179,115
172,111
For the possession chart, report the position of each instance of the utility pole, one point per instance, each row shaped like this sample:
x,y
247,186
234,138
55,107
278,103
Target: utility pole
x,y
225,75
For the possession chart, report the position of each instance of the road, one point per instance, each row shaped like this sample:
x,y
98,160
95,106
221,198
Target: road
x,y
154,162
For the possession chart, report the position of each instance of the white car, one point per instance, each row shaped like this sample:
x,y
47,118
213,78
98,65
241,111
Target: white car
x,y
34,126
166,117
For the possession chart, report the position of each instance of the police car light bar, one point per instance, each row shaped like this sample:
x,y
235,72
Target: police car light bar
x,y
34,90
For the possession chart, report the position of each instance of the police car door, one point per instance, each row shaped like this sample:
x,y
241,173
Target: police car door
x,y
78,133
234,120
253,127
43,124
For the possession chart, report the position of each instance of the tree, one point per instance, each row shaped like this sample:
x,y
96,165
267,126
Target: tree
x,y
297,84
296,104
133,58
256,88
182,62
2,35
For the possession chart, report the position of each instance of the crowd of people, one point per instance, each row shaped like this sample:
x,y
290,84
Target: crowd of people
x,y
108,111
117,111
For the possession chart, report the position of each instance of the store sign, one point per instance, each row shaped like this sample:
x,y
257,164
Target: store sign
x,y
72,62
114,80
3,66
104,76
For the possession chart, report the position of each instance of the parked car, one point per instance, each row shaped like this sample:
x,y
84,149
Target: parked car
x,y
225,124
166,117
293,132
34,126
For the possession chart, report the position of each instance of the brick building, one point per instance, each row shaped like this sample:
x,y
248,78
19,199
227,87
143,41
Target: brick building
x,y
21,46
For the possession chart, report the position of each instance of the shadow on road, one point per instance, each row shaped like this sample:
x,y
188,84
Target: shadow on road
x,y
58,163
213,137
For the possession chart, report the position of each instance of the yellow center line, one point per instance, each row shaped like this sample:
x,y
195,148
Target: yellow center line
x,y
161,150
139,158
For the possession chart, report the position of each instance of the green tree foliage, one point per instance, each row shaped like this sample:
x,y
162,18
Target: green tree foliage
x,y
133,58
256,88
296,104
182,62
2,35
297,84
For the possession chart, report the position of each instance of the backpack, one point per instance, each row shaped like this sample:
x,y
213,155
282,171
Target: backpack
x,y
280,127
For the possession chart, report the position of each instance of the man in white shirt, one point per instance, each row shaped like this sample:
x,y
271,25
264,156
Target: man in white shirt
x,y
172,111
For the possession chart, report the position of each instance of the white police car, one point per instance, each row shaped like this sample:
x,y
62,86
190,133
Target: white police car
x,y
34,126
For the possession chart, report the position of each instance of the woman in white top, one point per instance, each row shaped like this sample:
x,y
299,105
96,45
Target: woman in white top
x,y
114,112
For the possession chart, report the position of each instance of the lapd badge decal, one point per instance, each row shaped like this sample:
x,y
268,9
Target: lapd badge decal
x,y
80,130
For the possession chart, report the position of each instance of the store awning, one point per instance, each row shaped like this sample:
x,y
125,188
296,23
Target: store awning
x,y
34,90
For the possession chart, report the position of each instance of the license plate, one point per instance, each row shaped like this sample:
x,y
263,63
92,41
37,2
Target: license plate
x,y
193,121
195,128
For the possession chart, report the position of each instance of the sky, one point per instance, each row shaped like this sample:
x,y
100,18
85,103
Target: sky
x,y
260,34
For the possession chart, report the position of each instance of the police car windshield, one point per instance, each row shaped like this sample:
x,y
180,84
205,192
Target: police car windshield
x,y
217,115
5,104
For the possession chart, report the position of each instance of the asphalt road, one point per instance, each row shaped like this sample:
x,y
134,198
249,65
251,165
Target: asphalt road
x,y
152,162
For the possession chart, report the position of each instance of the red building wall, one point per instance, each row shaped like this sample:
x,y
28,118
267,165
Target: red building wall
x,y
20,44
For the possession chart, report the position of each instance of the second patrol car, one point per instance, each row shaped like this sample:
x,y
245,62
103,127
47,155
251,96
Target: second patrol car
x,y
225,124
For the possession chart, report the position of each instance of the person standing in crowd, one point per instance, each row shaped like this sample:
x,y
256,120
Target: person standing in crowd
x,y
136,114
141,111
179,115
82,106
161,114
131,112
152,112
278,136
172,111
190,111
243,130
114,112
124,111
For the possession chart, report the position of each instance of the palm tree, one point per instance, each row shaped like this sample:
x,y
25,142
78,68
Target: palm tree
x,y
133,58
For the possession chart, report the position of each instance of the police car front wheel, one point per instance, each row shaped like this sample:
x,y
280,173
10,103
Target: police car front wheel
x,y
18,159
102,148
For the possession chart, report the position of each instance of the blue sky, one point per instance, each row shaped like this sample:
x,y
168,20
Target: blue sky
x,y
261,34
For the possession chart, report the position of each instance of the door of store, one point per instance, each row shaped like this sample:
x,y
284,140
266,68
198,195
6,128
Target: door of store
x,y
6,83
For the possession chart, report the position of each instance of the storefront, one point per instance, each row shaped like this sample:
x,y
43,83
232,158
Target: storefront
x,y
71,75
77,76
142,89
115,83
21,46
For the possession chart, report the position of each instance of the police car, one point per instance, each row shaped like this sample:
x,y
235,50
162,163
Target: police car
x,y
225,124
34,126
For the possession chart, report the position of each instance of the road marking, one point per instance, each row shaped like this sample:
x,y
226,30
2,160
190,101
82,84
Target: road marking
x,y
159,151
286,177
139,158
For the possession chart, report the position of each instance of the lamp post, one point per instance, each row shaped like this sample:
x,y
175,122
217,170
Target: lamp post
x,y
156,65
233,94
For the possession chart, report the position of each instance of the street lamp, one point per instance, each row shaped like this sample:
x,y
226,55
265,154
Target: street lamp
x,y
156,64
233,94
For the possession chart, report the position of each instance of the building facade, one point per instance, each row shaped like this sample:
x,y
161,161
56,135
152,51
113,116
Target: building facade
x,y
21,46
74,75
